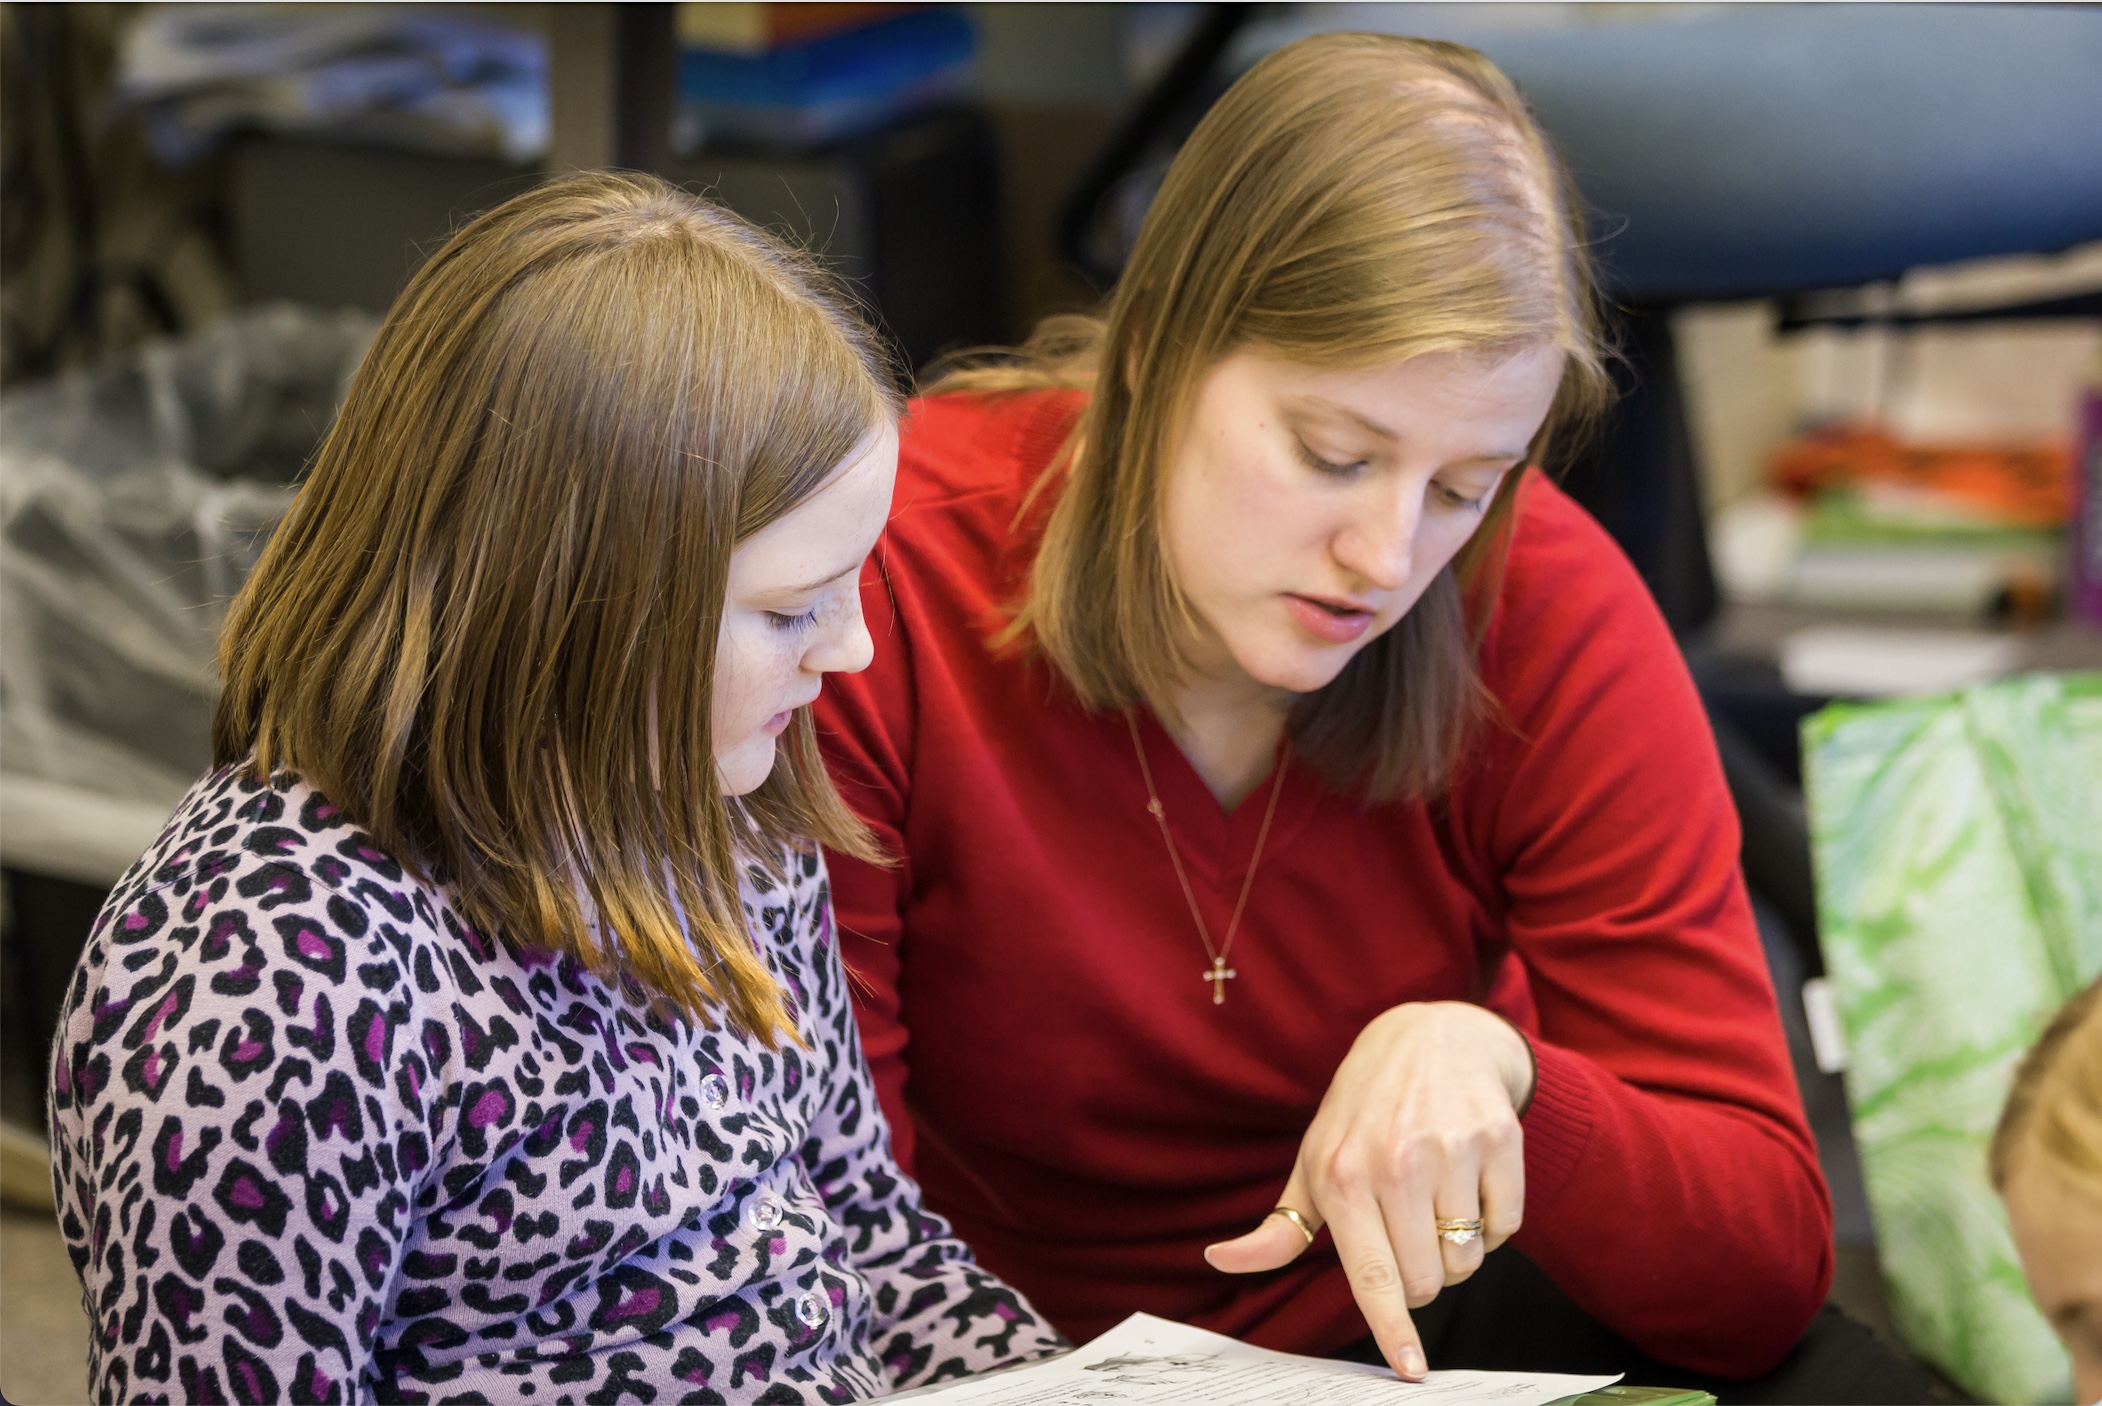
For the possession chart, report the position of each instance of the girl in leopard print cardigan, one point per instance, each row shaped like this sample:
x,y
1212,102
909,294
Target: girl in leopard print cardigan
x,y
319,1139
477,1031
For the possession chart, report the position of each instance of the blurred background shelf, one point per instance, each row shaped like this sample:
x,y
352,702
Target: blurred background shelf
x,y
908,217
1760,632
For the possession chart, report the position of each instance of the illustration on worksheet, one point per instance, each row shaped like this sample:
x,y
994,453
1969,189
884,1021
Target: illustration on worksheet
x,y
1183,1367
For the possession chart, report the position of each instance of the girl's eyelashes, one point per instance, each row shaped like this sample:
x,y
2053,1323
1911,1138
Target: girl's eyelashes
x,y
792,624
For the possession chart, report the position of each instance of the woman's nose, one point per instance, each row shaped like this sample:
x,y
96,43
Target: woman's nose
x,y
1380,545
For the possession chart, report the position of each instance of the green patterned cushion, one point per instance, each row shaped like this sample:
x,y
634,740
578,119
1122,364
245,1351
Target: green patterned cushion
x,y
1959,871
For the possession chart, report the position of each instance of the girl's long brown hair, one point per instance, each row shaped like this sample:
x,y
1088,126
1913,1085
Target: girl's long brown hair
x,y
1354,200
487,628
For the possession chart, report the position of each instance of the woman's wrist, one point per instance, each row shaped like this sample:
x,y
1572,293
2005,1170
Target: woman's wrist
x,y
1516,1062
1522,1095
1517,1066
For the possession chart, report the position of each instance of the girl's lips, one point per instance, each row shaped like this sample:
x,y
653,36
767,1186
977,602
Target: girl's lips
x,y
1328,626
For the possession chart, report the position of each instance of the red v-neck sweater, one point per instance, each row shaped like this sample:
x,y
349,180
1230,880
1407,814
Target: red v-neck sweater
x,y
1050,1056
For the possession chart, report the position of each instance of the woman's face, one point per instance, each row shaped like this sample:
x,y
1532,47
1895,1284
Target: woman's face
x,y
2058,1233
1308,509
792,611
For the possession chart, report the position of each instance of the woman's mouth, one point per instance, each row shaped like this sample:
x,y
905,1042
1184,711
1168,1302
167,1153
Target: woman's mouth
x,y
1331,622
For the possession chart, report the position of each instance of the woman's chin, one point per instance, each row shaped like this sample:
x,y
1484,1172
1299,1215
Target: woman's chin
x,y
1300,669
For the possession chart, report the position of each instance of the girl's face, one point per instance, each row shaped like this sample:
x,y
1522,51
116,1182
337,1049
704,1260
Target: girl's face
x,y
2058,1233
792,611
1308,509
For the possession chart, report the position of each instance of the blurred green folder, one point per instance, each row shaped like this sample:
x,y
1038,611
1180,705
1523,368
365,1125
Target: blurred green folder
x,y
1958,844
1621,1394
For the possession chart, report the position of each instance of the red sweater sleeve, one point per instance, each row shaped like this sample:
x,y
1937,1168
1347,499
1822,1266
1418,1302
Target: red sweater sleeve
x,y
1672,1184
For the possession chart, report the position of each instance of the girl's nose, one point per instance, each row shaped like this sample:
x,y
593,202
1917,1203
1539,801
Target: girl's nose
x,y
846,646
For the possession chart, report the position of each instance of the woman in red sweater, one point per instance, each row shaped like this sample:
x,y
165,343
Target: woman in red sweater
x,y
1313,868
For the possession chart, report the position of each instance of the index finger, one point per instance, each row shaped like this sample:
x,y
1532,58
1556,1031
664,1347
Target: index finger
x,y
1360,1233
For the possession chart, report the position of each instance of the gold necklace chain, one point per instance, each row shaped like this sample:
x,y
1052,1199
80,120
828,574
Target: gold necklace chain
x,y
1220,973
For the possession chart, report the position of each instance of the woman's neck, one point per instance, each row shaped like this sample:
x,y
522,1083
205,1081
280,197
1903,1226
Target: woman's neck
x,y
1228,729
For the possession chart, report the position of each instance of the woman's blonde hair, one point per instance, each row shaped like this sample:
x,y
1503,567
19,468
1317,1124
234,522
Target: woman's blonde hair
x,y
1354,200
2055,1106
487,628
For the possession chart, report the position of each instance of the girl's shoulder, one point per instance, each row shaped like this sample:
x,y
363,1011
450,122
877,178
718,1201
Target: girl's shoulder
x,y
270,844
261,892
270,854
266,914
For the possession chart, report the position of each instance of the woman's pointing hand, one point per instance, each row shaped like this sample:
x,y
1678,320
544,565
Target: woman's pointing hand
x,y
1419,1125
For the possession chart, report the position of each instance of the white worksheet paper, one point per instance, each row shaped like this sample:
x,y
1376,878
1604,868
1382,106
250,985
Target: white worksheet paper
x,y
1149,1361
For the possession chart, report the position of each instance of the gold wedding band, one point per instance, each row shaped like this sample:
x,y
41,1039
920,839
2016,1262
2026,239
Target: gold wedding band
x,y
1459,1232
1297,1219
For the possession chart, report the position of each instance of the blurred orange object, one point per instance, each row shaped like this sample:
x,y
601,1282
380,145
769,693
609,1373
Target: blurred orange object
x,y
755,28
2027,487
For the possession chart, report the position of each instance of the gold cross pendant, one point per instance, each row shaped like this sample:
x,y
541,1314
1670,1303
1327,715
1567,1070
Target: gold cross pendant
x,y
1218,976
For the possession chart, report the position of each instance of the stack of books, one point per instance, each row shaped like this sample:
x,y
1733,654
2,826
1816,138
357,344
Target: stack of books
x,y
1952,529
797,77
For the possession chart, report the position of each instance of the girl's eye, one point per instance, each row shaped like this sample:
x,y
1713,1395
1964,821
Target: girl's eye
x,y
792,624
1326,466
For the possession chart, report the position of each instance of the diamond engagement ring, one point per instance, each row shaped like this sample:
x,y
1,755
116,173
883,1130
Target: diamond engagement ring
x,y
1459,1232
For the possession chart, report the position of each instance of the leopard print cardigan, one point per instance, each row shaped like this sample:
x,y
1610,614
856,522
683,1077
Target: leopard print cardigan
x,y
315,1139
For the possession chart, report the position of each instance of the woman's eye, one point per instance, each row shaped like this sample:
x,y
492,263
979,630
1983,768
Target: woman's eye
x,y
792,624
1453,498
1326,466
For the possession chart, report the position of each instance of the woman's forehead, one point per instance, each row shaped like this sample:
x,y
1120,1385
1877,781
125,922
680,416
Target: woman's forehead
x,y
1369,397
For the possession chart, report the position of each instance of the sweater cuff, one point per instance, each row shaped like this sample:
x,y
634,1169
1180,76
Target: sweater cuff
x,y
1558,1122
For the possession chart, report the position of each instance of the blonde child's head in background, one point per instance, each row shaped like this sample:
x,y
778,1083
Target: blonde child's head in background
x,y
2047,1164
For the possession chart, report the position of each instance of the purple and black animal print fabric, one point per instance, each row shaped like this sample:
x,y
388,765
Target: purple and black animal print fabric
x,y
317,1139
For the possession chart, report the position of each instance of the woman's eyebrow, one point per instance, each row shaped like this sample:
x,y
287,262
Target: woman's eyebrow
x,y
1329,407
